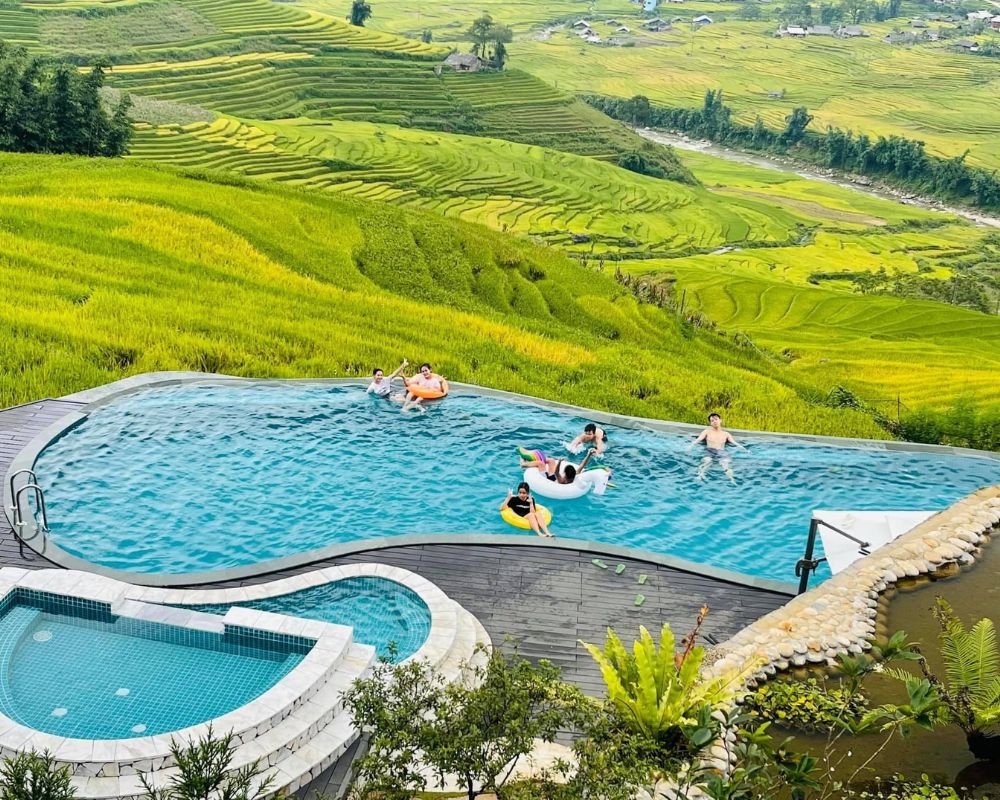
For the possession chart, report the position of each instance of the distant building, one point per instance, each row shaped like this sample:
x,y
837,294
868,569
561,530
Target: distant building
x,y
995,23
703,19
776,94
464,62
656,25
820,30
932,36
581,23
649,6
967,44
611,22
974,16
917,23
900,37
622,29
793,30
850,31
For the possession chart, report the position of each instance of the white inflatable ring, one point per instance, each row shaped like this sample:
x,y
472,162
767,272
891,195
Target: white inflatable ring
x,y
557,491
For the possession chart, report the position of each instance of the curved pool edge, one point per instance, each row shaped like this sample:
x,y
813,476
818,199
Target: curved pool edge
x,y
103,395
300,722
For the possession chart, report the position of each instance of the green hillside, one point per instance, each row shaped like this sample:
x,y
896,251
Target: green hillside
x,y
110,269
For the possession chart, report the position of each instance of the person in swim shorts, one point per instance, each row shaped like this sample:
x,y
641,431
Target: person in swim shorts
x,y
592,435
558,470
716,439
381,386
523,504
424,379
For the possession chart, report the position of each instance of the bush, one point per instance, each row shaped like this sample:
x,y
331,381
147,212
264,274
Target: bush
x,y
806,705
34,776
900,789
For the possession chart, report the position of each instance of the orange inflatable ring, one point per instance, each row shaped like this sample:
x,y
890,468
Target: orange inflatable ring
x,y
429,394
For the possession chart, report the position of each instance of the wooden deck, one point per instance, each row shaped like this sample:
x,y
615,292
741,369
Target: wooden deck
x,y
541,600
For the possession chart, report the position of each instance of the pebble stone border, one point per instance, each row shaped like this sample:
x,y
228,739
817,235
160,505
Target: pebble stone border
x,y
307,700
839,615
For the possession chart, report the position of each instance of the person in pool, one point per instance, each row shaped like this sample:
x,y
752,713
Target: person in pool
x,y
425,378
715,438
523,504
558,470
381,386
592,435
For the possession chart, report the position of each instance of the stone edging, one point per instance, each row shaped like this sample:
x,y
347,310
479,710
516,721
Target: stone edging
x,y
839,615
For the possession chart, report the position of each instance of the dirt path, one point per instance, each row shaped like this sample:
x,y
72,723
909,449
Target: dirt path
x,y
885,193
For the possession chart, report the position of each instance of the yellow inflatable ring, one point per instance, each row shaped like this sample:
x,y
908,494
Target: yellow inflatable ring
x,y
429,394
521,522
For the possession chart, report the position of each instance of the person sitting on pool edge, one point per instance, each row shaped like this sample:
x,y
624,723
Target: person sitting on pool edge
x,y
558,470
591,435
715,439
523,504
424,379
382,386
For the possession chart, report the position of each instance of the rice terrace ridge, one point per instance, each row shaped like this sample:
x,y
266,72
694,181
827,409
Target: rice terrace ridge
x,y
521,400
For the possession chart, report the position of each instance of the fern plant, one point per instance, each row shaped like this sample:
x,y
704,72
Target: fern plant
x,y
657,692
971,688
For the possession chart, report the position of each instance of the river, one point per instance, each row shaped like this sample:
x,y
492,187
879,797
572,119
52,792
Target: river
x,y
886,193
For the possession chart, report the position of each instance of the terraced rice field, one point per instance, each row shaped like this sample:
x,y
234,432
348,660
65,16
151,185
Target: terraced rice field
x,y
925,353
928,92
142,269
506,185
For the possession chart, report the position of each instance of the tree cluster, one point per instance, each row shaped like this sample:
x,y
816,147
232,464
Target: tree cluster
x,y
490,40
895,159
54,108
361,12
802,12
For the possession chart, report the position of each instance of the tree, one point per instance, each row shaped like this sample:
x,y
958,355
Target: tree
x,y
795,125
427,36
479,33
830,13
750,11
856,10
35,776
499,36
203,771
476,728
361,12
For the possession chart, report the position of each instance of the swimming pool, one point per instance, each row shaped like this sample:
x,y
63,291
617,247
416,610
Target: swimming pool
x,y
73,669
384,613
205,476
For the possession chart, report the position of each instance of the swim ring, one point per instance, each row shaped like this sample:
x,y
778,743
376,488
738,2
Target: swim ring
x,y
520,522
429,394
596,479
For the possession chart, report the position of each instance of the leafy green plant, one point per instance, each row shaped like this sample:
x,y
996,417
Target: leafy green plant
x,y
657,690
900,789
808,705
204,773
34,776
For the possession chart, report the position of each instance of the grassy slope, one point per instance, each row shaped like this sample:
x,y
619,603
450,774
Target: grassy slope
x,y
109,269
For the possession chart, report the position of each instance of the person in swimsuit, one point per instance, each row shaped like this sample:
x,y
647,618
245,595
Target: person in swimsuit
x,y
523,504
559,470
424,379
381,386
715,439
591,435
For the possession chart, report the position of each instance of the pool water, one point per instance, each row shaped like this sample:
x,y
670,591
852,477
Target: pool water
x,y
384,614
206,476
87,674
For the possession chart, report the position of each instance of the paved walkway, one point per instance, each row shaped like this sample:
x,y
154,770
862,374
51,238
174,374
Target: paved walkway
x,y
543,600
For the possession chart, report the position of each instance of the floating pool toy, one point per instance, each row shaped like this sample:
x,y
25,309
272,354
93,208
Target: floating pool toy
x,y
591,479
521,522
429,394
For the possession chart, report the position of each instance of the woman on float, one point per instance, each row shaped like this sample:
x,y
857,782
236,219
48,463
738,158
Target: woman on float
x,y
558,470
425,385
523,505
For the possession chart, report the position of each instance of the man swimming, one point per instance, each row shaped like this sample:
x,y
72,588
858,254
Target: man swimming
x,y
592,435
715,439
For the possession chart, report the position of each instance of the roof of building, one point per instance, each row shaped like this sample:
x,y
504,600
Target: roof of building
x,y
463,60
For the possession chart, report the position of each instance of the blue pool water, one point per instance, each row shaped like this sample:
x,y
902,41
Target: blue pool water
x,y
206,476
385,614
90,675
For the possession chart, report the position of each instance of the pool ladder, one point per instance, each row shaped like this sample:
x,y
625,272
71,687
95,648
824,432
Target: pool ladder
x,y
37,522
809,563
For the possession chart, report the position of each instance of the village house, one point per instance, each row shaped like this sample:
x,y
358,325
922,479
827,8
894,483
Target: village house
x,y
581,23
917,24
703,19
969,45
977,16
820,30
792,30
464,62
900,37
932,36
995,23
850,31
649,6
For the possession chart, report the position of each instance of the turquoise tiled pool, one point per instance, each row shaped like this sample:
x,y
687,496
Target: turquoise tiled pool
x,y
384,613
72,669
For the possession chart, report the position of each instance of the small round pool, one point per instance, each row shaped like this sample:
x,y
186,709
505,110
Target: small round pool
x,y
210,475
385,614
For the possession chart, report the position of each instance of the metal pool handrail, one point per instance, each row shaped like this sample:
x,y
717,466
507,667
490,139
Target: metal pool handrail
x,y
808,563
12,509
41,525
